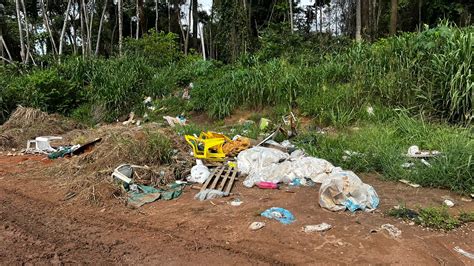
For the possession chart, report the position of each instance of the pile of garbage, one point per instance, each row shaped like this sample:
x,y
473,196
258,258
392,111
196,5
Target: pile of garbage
x,y
267,167
339,190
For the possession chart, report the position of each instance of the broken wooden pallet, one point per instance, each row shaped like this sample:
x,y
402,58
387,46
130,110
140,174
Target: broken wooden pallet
x,y
222,178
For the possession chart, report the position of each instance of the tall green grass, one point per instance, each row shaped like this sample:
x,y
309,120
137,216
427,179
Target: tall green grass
x,y
381,147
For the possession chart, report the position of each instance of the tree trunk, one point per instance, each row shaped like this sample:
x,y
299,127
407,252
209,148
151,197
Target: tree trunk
x,y
27,31
63,30
321,19
141,17
169,15
156,16
46,24
89,31
393,17
86,20
137,15
202,43
186,40
120,16
20,31
2,42
195,23
358,22
290,2
81,17
97,44
420,4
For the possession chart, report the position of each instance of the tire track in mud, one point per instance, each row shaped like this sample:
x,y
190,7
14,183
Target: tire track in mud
x,y
38,231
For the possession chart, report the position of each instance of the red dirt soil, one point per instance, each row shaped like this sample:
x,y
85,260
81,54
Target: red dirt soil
x,y
38,226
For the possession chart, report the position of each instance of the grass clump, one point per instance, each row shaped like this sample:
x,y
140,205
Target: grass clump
x,y
432,217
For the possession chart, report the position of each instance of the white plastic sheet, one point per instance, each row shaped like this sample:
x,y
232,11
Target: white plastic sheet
x,y
264,165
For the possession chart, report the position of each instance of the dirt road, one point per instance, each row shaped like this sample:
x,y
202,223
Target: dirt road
x,y
37,225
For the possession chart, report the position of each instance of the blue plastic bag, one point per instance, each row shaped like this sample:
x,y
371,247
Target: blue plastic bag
x,y
279,214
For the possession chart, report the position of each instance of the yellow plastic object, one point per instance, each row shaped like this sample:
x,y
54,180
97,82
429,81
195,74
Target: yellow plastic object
x,y
214,135
207,148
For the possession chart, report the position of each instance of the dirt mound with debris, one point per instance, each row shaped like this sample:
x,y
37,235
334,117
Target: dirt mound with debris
x,y
29,123
162,154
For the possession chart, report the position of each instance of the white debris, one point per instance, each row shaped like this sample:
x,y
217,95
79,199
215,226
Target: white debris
x,y
236,202
448,203
344,190
256,226
464,253
392,230
407,182
199,173
316,228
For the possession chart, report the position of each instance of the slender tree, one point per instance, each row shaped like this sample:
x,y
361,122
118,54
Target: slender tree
x,y
290,3
393,17
20,31
156,16
63,30
48,28
120,22
104,9
358,21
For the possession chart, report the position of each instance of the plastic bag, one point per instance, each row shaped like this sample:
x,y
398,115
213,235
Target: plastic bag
x,y
344,190
199,173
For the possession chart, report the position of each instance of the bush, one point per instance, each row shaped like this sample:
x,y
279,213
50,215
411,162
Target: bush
x,y
159,48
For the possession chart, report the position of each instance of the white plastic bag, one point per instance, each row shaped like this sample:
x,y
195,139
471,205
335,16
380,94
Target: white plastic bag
x,y
199,173
344,190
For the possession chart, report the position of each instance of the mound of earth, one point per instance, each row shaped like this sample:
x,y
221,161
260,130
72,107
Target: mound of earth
x,y
28,123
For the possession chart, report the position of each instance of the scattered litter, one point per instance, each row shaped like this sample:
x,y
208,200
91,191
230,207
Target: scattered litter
x,y
279,214
210,194
256,226
264,123
141,195
392,230
130,119
407,165
63,152
448,203
41,145
464,253
199,173
236,202
235,146
407,182
86,147
344,190
415,152
267,185
350,154
466,199
425,162
123,172
316,228
472,195
173,121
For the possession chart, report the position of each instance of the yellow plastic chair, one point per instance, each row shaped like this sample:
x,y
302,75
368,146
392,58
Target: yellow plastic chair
x,y
214,135
207,148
